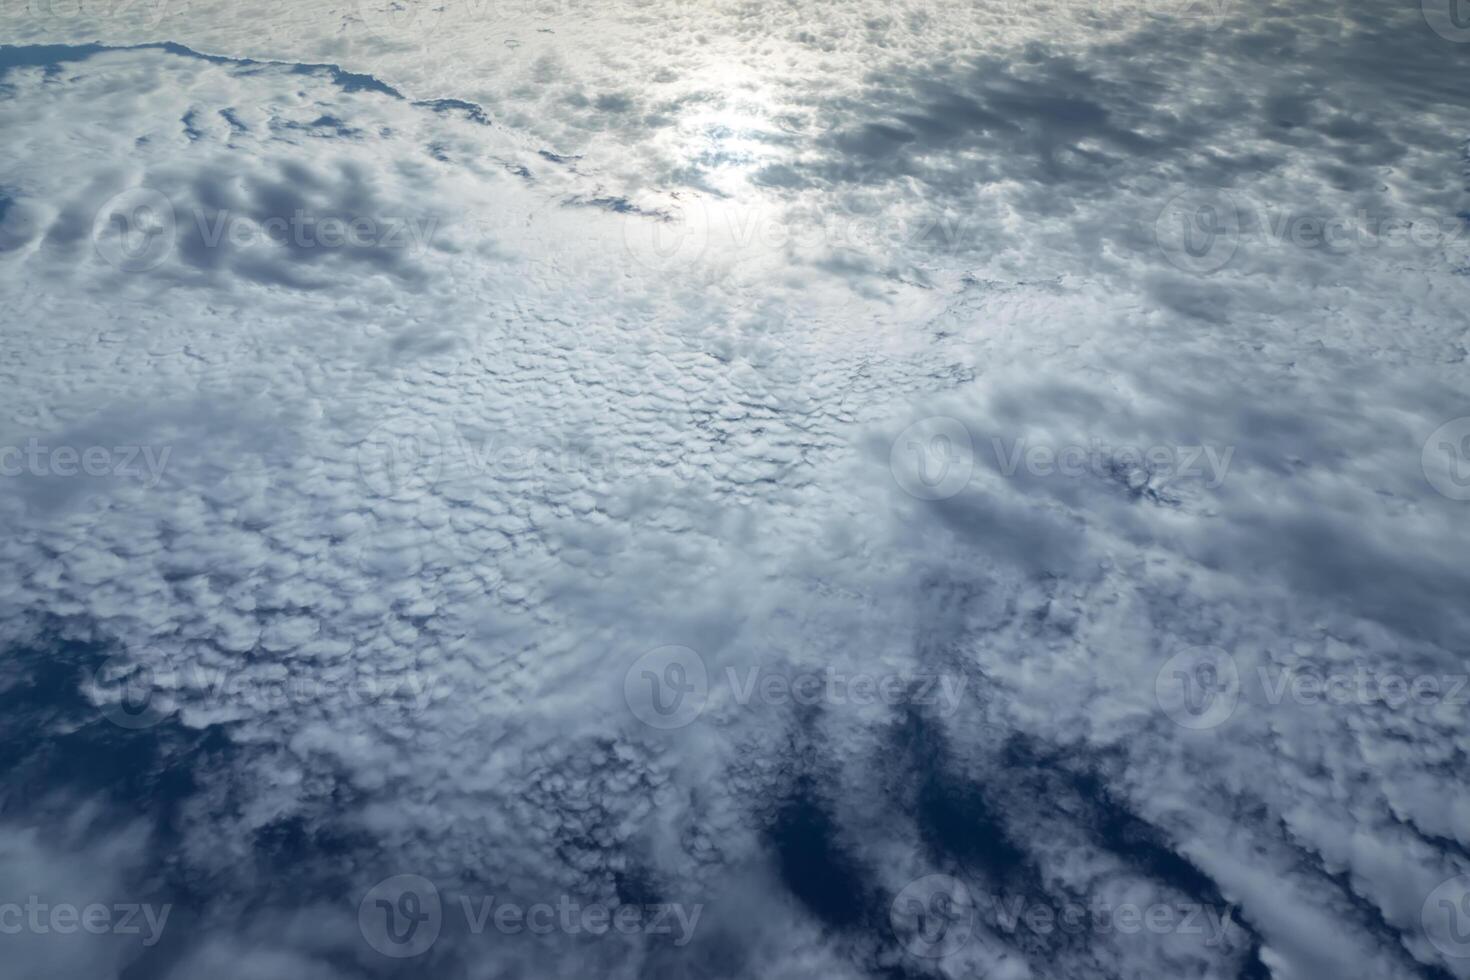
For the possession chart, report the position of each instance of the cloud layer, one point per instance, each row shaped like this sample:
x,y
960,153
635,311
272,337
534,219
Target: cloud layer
x,y
846,511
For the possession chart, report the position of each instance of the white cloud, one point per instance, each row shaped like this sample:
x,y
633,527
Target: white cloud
x,y
444,460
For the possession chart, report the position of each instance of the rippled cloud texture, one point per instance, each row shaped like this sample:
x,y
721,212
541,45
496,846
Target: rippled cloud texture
x,y
682,490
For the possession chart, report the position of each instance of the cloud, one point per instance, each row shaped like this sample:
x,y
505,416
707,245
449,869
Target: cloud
x,y
448,458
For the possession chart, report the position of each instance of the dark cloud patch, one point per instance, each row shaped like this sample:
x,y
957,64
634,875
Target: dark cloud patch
x,y
618,205
1067,128
52,55
231,117
58,741
190,130
821,871
957,821
469,110
299,228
